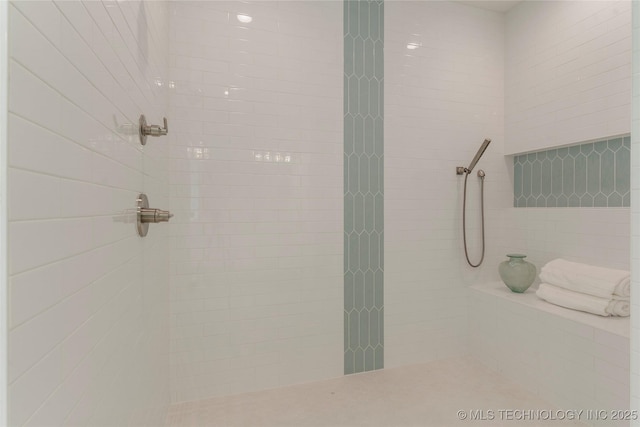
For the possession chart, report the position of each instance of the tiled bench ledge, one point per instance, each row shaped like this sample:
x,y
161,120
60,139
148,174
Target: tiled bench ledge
x,y
569,358
615,325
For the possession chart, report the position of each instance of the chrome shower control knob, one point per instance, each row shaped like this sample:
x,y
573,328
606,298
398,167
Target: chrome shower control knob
x,y
146,215
152,130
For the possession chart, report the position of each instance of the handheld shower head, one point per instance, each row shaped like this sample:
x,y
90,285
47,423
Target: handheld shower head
x,y
479,154
462,171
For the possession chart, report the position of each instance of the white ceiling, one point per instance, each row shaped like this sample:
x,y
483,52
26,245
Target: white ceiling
x,y
497,5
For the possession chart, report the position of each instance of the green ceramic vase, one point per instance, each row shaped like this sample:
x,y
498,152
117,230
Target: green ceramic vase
x,y
517,273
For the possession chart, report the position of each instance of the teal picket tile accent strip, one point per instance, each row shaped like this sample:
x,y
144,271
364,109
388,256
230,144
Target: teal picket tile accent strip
x,y
363,185
595,174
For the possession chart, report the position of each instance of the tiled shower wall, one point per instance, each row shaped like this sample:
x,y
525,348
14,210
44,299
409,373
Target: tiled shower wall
x,y
443,97
257,269
594,107
568,73
257,192
88,323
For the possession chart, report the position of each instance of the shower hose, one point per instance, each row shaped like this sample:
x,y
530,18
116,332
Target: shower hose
x,y
464,217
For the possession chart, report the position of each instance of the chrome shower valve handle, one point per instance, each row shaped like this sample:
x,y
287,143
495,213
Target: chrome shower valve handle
x,y
146,215
152,130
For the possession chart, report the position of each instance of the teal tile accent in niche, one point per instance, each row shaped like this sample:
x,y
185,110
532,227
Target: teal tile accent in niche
x,y
596,174
363,185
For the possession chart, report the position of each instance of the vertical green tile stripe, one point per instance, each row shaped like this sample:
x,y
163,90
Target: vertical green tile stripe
x,y
363,185
595,174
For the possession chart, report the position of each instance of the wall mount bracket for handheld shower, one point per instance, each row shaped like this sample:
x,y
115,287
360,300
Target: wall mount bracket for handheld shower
x,y
153,130
461,170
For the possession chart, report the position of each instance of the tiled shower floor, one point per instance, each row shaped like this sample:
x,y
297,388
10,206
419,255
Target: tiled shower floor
x,y
420,395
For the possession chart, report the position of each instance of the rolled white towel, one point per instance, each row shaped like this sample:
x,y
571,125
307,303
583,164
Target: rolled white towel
x,y
597,281
583,302
619,308
623,289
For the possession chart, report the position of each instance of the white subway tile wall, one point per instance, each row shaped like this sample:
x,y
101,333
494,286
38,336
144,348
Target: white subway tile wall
x,y
635,216
589,235
256,187
568,73
88,321
443,97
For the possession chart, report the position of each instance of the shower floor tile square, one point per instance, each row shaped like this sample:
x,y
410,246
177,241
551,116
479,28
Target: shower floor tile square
x,y
423,395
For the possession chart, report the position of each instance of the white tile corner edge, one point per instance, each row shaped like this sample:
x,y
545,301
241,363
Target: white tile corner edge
x,y
4,78
635,233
